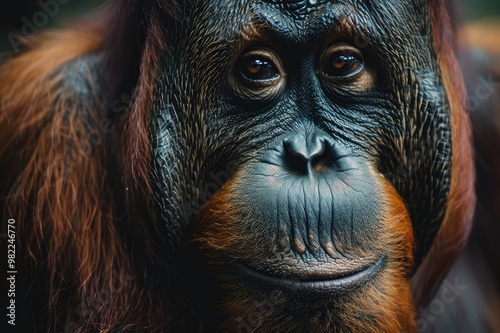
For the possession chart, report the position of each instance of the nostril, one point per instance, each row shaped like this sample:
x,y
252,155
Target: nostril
x,y
295,161
305,154
324,159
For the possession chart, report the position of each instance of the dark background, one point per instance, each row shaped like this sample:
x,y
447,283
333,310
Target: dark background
x,y
13,11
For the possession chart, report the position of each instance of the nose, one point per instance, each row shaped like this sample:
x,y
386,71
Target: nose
x,y
309,154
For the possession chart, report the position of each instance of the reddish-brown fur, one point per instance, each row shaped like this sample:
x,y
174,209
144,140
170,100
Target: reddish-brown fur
x,y
66,220
456,226
63,204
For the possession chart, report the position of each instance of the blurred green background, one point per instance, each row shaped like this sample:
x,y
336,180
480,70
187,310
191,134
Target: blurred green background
x,y
12,13
477,9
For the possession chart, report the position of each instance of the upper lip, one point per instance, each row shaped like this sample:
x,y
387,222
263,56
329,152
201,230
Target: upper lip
x,y
344,278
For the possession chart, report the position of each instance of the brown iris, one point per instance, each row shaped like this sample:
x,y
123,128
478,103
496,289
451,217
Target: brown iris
x,y
342,62
259,67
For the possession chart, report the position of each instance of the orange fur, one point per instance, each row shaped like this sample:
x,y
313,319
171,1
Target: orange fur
x,y
60,192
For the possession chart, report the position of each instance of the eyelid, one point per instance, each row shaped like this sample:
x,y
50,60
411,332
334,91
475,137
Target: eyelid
x,y
245,69
257,90
340,48
358,81
264,54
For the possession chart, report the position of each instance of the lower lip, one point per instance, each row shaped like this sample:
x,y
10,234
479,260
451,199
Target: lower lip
x,y
327,287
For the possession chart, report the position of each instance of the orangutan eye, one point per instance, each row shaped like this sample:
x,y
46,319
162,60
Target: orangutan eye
x,y
341,61
256,69
259,67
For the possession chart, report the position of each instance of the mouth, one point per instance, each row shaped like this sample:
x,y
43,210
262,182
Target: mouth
x,y
314,283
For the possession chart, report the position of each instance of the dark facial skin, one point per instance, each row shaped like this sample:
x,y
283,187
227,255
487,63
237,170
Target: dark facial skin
x,y
301,113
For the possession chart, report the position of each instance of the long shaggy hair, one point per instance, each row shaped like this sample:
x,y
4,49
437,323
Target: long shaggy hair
x,y
81,195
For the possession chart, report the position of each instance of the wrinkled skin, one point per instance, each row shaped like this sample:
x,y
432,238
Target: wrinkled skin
x,y
304,143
